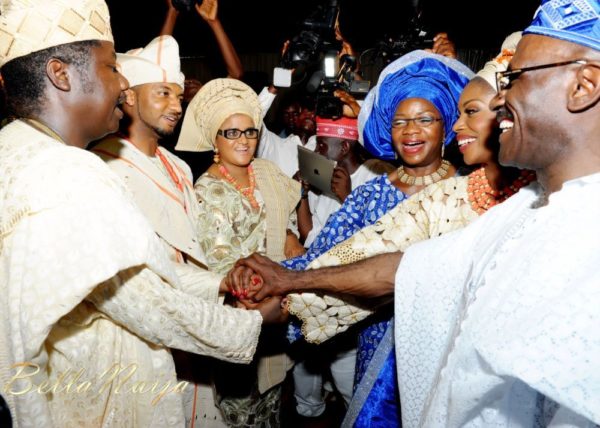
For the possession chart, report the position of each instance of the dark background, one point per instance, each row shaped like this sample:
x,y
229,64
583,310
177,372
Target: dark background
x,y
263,25
259,28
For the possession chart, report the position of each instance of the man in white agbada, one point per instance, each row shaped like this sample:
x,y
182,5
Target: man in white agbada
x,y
497,324
162,183
89,301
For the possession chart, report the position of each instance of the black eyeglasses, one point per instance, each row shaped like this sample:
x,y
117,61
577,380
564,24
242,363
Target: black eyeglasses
x,y
421,122
234,133
505,78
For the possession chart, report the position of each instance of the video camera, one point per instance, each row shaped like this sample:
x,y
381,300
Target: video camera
x,y
415,36
317,35
326,81
316,47
185,5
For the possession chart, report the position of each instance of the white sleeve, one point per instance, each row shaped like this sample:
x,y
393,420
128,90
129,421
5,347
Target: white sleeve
x,y
140,301
265,99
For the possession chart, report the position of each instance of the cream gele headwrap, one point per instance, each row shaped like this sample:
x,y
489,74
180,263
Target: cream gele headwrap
x,y
500,63
210,107
157,62
28,26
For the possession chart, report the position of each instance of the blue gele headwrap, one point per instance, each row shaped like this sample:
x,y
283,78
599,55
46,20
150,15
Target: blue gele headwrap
x,y
418,74
574,21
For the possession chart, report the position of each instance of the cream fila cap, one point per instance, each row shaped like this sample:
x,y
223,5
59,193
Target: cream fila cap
x,y
155,63
28,26
500,63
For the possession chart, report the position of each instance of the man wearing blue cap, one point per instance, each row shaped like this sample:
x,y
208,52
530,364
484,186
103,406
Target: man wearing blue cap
x,y
497,324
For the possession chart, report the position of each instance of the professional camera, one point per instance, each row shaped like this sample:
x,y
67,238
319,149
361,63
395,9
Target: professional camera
x,y
185,5
325,82
317,36
415,36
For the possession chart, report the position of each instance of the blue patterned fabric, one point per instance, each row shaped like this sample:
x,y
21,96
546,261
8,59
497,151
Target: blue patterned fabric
x,y
382,406
575,21
368,341
376,399
361,208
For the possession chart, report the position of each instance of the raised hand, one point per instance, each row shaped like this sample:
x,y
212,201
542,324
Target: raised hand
x,y
442,45
351,107
208,10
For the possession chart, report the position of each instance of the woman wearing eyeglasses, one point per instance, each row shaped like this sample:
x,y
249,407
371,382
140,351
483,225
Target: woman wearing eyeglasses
x,y
438,209
247,205
408,116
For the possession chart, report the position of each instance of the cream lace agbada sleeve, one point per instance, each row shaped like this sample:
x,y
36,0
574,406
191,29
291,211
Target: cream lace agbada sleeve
x,y
437,209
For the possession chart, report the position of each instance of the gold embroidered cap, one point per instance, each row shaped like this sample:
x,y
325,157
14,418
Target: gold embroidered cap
x,y
210,107
28,26
154,63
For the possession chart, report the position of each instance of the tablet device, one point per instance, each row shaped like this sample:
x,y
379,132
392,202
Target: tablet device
x,y
316,169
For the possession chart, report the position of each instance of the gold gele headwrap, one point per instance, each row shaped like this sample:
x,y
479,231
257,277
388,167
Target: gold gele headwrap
x,y
210,107
28,26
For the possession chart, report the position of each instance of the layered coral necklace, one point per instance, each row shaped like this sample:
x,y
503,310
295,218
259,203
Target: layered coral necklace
x,y
248,192
424,180
481,195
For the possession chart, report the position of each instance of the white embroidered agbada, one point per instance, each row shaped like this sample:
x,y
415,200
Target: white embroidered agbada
x,y
497,324
85,285
171,212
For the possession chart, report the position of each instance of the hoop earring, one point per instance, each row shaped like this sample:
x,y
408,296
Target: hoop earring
x,y
216,157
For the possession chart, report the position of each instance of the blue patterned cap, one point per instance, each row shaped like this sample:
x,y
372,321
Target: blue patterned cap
x,y
574,21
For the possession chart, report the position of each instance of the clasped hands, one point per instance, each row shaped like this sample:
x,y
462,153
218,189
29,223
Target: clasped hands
x,y
260,283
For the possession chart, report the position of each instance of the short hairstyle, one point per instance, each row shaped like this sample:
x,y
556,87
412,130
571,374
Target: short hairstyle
x,y
25,77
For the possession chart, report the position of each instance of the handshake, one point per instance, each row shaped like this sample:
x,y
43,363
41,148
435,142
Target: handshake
x,y
259,283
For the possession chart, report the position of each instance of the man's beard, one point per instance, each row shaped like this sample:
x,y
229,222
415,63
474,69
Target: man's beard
x,y
163,133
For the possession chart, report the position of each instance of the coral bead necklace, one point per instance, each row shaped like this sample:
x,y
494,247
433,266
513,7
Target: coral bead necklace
x,y
483,197
248,192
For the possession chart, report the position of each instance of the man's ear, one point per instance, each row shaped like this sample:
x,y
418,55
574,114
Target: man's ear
x,y
58,73
130,97
584,92
346,147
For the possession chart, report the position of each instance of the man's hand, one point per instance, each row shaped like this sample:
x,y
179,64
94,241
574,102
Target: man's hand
x,y
276,280
351,108
442,45
341,184
208,10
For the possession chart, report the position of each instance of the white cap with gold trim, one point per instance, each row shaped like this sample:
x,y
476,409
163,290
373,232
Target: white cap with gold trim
x,y
157,62
28,26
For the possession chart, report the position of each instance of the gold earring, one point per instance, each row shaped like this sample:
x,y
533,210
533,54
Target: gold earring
x,y
216,157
